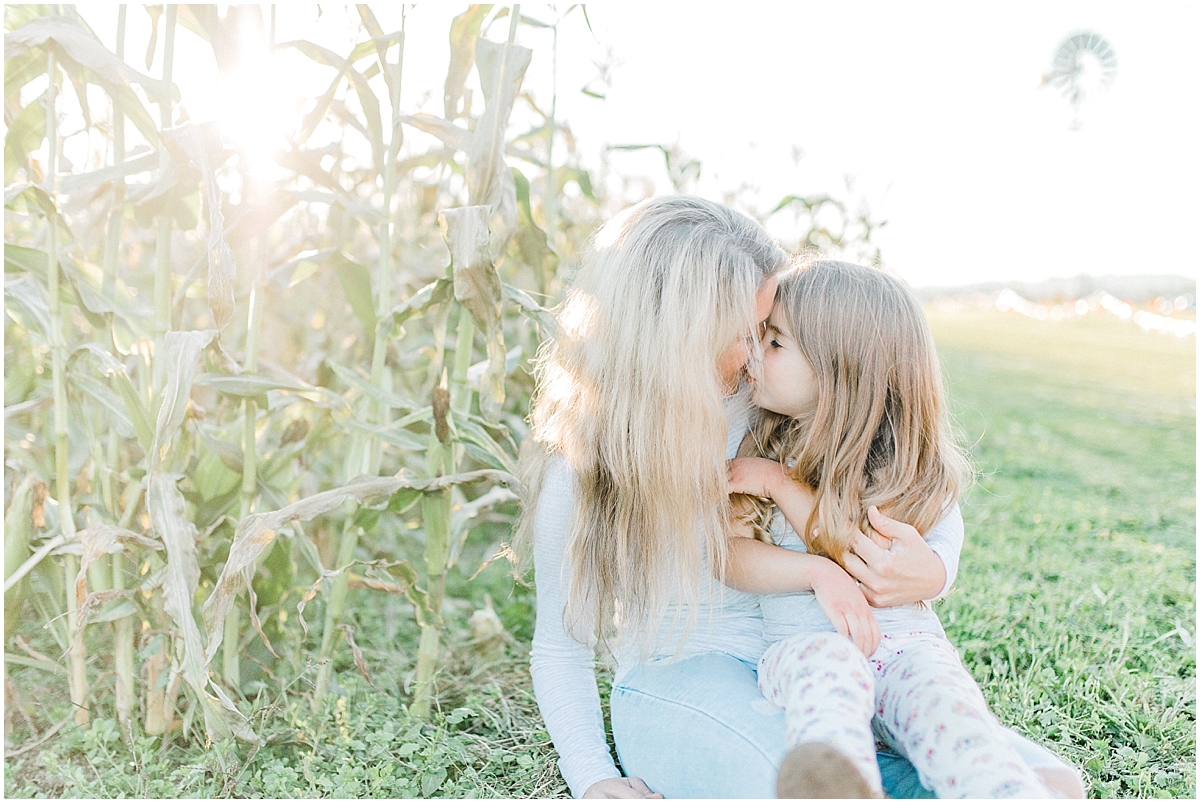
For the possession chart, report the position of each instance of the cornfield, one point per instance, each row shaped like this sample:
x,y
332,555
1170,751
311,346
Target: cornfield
x,y
233,393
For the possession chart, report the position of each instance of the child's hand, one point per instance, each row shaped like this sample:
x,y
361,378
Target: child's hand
x,y
901,571
756,476
843,602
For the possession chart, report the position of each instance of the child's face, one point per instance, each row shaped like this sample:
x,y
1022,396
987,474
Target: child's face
x,y
787,385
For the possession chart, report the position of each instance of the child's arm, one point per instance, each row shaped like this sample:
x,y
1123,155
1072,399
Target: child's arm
x,y
761,477
758,568
898,568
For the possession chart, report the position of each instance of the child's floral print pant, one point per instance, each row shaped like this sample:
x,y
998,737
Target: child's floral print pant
x,y
924,702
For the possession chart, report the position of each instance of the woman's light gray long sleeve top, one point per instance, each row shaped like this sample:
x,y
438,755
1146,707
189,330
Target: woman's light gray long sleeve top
x,y
563,669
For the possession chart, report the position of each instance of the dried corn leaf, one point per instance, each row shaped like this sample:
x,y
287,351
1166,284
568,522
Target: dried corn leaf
x,y
90,603
104,539
81,47
454,136
477,287
464,30
255,533
181,351
489,181
178,534
545,319
360,663
199,142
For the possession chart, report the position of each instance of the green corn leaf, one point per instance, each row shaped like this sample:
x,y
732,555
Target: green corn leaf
x,y
45,206
18,530
29,303
201,20
212,478
116,609
480,445
373,45
435,518
307,548
136,410
581,177
511,360
356,282
532,243
20,70
433,293
363,384
112,403
25,135
81,288
253,386
392,434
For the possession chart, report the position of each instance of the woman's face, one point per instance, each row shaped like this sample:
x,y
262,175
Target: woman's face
x,y
787,385
734,358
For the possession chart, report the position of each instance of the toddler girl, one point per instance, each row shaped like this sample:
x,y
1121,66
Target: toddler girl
x,y
854,422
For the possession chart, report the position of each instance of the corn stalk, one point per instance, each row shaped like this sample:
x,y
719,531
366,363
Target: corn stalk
x,y
123,652
58,348
190,453
381,377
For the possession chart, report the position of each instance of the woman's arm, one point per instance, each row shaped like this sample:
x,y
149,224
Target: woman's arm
x,y
759,568
898,568
564,679
901,567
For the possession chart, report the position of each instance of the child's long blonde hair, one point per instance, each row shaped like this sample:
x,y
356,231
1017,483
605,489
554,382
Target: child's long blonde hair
x,y
879,431
629,395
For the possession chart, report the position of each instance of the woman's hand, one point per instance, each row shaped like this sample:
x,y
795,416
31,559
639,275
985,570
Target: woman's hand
x,y
756,476
898,567
613,788
844,604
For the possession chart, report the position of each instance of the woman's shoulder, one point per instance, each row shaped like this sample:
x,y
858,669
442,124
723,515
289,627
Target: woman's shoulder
x,y
556,494
559,477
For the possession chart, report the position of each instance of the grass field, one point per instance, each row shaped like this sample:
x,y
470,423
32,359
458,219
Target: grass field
x,y
1074,608
1075,603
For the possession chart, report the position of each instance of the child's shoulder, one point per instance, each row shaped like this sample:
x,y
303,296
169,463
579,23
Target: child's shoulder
x,y
784,534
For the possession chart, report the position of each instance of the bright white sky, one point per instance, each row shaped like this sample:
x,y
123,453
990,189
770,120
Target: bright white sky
x,y
934,109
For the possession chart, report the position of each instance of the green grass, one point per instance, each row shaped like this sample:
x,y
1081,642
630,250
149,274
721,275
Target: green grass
x,y
1074,608
1075,600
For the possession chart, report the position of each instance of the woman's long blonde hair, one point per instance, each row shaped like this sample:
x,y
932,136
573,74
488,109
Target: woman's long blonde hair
x,y
629,395
879,431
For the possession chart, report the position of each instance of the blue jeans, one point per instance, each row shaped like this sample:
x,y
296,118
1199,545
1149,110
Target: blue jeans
x,y
700,728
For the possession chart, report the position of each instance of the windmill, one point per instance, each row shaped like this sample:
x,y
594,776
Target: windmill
x,y
1084,66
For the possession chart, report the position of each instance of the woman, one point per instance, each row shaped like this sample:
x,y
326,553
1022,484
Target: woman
x,y
639,404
